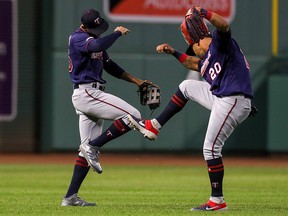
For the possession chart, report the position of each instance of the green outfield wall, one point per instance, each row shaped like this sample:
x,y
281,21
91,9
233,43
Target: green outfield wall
x,y
46,120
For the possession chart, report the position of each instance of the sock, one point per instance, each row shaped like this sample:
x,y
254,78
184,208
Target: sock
x,y
176,104
118,128
81,169
156,124
218,200
216,174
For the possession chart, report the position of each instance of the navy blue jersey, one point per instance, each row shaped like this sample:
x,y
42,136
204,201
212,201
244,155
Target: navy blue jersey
x,y
225,67
87,56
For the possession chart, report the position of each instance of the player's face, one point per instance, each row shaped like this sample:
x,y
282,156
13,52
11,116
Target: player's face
x,y
201,48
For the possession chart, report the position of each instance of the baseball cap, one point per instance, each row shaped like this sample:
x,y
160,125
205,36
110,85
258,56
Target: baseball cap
x,y
92,20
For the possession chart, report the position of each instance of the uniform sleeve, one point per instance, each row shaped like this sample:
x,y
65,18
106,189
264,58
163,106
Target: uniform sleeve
x,y
112,67
81,41
102,44
221,40
86,43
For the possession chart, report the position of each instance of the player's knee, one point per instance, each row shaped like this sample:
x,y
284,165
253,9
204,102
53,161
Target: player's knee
x,y
211,154
188,85
135,113
182,85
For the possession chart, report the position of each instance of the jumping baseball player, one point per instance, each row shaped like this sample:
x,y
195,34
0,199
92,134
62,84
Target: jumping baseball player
x,y
227,91
87,58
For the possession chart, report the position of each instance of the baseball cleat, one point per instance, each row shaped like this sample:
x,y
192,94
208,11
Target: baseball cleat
x,y
75,201
91,154
211,206
144,126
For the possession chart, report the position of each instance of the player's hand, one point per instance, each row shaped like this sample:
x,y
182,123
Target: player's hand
x,y
122,29
165,48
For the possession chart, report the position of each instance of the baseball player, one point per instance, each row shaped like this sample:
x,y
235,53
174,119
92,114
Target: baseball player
x,y
87,58
226,91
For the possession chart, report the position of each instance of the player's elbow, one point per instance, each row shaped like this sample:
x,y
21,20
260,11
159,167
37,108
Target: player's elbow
x,y
224,26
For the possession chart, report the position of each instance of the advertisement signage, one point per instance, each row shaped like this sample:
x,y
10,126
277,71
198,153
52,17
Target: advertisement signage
x,y
163,11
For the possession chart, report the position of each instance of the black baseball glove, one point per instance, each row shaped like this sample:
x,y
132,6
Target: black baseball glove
x,y
149,95
196,26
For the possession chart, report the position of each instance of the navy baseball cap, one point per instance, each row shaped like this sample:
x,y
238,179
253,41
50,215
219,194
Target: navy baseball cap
x,y
92,20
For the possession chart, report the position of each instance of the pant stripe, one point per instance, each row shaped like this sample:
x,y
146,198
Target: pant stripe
x,y
106,102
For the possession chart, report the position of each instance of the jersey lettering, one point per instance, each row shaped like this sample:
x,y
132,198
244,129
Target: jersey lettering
x,y
70,64
246,62
96,55
205,64
213,72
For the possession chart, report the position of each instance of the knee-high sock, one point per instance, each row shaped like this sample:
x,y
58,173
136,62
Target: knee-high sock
x,y
81,169
116,129
176,104
216,175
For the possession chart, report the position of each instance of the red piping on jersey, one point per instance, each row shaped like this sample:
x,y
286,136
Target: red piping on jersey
x,y
222,127
106,102
87,44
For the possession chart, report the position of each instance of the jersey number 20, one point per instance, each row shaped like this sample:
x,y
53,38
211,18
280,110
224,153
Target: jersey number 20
x,y
213,72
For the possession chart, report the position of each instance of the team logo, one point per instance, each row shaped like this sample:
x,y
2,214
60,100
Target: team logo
x,y
97,21
108,133
215,184
96,55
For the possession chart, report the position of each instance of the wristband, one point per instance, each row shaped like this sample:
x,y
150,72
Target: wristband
x,y
206,13
180,56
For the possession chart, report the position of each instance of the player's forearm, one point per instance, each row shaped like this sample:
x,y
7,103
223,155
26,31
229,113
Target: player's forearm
x,y
101,44
189,62
218,21
130,78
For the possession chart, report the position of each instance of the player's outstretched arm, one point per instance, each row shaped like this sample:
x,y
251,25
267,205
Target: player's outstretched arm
x,y
189,62
132,79
215,19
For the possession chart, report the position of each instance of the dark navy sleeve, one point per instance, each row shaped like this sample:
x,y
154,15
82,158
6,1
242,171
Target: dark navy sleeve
x,y
223,35
221,39
112,67
102,44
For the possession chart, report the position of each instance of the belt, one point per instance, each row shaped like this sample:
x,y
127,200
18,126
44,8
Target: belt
x,y
243,95
95,85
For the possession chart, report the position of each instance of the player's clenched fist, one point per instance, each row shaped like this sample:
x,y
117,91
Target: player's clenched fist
x,y
166,48
122,29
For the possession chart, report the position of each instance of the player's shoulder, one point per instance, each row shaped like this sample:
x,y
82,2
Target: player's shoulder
x,y
79,35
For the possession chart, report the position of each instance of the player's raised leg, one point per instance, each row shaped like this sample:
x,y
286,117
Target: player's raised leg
x,y
151,128
113,108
